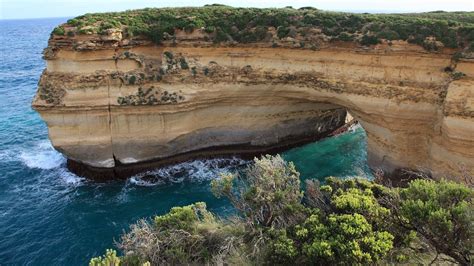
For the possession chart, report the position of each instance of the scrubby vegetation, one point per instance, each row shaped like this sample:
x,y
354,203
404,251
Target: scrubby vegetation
x,y
352,221
59,30
246,25
51,94
151,96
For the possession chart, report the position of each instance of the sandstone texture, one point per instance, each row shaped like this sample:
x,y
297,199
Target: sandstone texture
x,y
111,101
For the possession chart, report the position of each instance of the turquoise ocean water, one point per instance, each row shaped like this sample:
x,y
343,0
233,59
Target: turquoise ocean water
x,y
49,216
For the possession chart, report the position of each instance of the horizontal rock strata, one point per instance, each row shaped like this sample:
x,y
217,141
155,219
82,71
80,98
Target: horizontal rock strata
x,y
114,106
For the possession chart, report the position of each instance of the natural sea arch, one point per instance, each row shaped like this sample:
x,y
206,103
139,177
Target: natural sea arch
x,y
415,114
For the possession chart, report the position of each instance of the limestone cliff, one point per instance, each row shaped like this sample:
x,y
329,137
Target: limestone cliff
x,y
112,100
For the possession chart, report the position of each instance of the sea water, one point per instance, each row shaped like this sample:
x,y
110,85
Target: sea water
x,y
49,216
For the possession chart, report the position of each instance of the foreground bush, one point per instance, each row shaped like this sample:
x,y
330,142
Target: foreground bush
x,y
184,235
267,194
442,213
351,221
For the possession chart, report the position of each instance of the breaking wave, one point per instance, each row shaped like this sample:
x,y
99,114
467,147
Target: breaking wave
x,y
42,156
195,171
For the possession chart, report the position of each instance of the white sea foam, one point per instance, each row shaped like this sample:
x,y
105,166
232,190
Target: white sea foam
x,y
6,155
196,171
42,156
68,177
354,127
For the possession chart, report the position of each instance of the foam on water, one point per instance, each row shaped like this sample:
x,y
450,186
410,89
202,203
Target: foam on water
x,y
195,171
68,177
352,128
42,156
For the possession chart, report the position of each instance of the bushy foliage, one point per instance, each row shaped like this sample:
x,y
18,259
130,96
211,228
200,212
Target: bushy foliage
x,y
282,32
345,225
388,34
453,29
353,221
59,31
443,213
342,238
345,37
188,234
369,40
105,25
183,63
268,193
109,259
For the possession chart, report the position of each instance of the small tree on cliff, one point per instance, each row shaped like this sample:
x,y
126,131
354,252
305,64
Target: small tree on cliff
x,y
267,193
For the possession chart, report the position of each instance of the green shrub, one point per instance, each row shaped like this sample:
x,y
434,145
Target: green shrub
x,y
268,194
132,79
155,34
342,238
282,248
183,63
282,32
221,36
169,55
388,35
345,37
183,218
59,30
261,33
210,29
105,25
194,71
457,75
74,22
443,213
353,221
270,188
109,259
369,40
86,31
188,234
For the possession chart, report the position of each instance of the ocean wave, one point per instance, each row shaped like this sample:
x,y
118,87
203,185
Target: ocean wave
x,y
42,156
195,171
68,177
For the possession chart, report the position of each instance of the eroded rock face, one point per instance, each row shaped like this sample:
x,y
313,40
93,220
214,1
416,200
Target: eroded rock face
x,y
123,104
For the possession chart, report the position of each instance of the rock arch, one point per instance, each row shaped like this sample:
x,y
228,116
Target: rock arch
x,y
189,100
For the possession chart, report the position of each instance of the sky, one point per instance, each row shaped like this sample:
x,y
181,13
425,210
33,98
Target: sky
x,y
20,9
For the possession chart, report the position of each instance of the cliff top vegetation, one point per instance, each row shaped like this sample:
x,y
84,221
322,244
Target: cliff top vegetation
x,y
248,25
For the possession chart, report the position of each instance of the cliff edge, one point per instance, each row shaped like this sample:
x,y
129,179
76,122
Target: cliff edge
x,y
132,89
